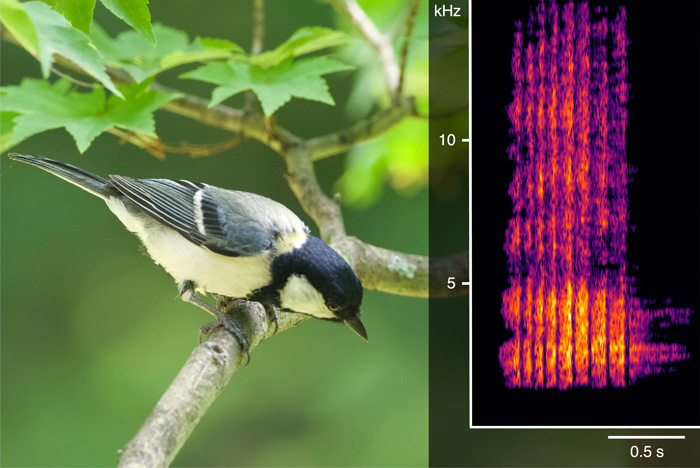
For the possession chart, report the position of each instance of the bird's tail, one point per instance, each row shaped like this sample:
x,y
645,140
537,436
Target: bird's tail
x,y
92,183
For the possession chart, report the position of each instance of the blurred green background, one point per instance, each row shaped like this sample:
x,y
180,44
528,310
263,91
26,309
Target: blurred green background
x,y
92,332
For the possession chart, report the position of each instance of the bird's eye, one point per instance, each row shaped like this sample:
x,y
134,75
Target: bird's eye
x,y
333,307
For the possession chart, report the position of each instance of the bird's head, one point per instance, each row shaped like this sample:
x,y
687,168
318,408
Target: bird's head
x,y
314,280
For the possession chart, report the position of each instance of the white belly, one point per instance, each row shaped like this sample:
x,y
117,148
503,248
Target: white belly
x,y
183,260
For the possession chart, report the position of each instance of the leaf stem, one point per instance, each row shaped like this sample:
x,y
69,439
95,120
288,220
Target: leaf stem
x,y
158,148
72,79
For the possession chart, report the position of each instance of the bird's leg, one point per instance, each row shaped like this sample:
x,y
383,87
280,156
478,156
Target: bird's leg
x,y
224,303
273,314
186,290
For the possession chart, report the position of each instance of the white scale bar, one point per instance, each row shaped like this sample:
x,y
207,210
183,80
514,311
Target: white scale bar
x,y
465,283
465,140
646,437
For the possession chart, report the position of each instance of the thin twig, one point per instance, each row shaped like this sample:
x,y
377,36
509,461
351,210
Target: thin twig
x,y
340,141
258,27
146,143
72,79
398,27
410,24
159,149
445,115
198,150
380,42
256,47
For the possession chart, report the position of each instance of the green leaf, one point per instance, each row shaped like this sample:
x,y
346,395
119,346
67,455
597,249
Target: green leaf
x,y
40,106
134,13
141,59
16,20
77,12
303,41
274,86
201,50
6,128
56,36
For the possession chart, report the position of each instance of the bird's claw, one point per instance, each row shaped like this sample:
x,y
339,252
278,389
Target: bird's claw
x,y
229,324
236,331
273,314
208,328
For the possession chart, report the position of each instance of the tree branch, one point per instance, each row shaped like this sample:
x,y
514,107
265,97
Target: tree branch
x,y
341,141
199,382
302,180
157,148
380,42
280,139
410,24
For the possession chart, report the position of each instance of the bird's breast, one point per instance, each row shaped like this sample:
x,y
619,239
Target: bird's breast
x,y
183,260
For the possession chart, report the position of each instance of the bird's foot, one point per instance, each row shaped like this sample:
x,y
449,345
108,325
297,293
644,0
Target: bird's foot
x,y
236,331
229,324
273,314
186,290
207,328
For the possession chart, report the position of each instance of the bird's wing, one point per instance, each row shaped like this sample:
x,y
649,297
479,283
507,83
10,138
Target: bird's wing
x,y
231,223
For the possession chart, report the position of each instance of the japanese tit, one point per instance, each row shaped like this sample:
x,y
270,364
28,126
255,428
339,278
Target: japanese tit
x,y
228,243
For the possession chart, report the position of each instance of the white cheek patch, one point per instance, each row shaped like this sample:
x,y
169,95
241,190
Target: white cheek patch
x,y
300,296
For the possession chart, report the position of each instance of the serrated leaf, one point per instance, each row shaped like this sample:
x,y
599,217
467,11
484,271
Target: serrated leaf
x,y
303,41
141,59
77,12
56,36
6,127
274,86
134,13
17,21
43,106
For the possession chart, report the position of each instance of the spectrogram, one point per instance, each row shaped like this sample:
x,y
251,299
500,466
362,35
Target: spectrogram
x,y
570,302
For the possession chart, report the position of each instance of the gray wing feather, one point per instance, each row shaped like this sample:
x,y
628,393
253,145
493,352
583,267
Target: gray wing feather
x,y
231,223
244,222
165,200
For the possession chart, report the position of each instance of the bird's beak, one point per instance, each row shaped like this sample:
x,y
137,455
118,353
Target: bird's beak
x,y
356,324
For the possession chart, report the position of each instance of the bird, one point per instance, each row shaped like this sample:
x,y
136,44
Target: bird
x,y
227,243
